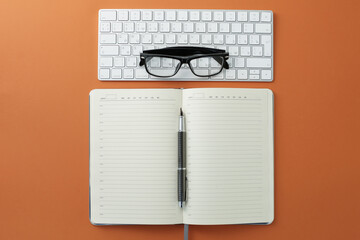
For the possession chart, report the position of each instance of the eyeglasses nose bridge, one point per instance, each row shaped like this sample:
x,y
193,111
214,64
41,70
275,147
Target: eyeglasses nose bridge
x,y
185,60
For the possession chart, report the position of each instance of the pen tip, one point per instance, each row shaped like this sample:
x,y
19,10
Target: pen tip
x,y
181,112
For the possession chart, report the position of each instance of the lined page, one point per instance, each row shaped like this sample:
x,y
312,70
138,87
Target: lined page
x,y
230,156
133,156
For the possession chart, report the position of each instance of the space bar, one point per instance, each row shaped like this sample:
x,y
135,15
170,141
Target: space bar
x,y
183,73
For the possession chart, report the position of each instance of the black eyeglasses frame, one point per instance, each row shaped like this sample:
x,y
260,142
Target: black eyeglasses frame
x,y
174,52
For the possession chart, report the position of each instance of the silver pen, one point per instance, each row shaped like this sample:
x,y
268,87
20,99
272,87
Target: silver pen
x,y
181,161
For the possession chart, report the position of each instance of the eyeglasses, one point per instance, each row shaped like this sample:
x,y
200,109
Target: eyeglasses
x,y
166,62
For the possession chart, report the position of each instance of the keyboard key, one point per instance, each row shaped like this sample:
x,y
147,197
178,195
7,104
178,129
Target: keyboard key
x,y
242,74
123,38
128,73
224,27
266,74
219,39
200,27
257,51
147,15
248,28
258,62
134,38
155,63
108,15
266,17
137,49
170,15
206,16
236,27
141,73
239,62
245,51
164,27
254,77
194,16
230,74
242,16
152,27
117,27
104,73
105,62
123,15
166,62
203,62
158,38
135,15
131,61
230,16
234,51
125,50
212,27
176,27
182,16
109,50
159,16
266,40
263,28
170,38
206,39
116,73
214,63
242,39
218,16
140,27
194,63
119,62
129,27
254,16
254,39
108,38
182,38
105,27
253,71
230,39
146,38
189,27
194,39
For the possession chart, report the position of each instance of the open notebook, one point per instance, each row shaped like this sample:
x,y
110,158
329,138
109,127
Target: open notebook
x,y
133,156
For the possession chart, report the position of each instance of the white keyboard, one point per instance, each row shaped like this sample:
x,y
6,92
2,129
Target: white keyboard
x,y
246,34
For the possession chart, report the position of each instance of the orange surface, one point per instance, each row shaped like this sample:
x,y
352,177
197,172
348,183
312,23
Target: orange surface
x,y
48,65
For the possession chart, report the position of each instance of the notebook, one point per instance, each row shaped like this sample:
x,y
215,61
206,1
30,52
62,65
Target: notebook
x,y
229,154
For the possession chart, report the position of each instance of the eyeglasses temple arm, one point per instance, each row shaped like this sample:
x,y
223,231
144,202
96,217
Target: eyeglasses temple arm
x,y
220,61
142,62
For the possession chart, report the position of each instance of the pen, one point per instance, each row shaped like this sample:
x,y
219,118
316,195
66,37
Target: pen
x,y
181,161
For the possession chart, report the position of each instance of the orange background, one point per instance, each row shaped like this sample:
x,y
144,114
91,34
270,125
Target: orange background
x,y
48,65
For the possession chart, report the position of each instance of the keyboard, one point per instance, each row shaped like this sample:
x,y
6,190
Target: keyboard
x,y
246,34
